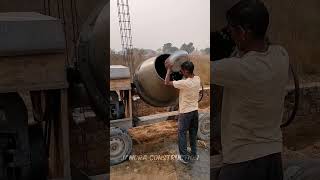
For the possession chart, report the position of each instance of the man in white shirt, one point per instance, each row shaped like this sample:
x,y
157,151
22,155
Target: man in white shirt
x,y
254,82
188,108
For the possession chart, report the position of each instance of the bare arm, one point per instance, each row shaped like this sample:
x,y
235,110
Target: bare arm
x,y
167,79
234,72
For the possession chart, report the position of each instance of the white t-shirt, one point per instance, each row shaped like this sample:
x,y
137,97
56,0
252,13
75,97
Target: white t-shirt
x,y
253,102
188,93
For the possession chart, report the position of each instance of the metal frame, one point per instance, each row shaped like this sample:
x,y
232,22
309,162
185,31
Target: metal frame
x,y
125,32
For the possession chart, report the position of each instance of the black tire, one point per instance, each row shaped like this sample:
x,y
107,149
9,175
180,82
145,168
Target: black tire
x,y
14,120
302,169
204,126
28,139
38,157
120,145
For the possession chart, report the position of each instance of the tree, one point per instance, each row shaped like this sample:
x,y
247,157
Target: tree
x,y
187,47
168,48
159,50
205,51
112,51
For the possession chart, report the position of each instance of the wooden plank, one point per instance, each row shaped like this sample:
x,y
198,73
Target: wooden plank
x,y
33,87
54,157
127,109
26,97
130,104
159,115
144,120
120,84
59,153
65,135
32,72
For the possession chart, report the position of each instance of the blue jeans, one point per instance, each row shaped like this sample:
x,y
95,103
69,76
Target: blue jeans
x,y
188,122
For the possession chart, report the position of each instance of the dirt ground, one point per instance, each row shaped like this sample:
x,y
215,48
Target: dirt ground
x,y
161,139
88,147
302,137
154,133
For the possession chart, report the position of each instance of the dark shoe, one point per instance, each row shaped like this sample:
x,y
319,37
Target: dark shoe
x,y
193,156
183,161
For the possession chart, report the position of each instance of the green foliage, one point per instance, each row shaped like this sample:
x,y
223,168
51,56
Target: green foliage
x,y
187,47
168,48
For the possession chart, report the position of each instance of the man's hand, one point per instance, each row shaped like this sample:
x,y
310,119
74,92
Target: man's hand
x,y
167,79
168,66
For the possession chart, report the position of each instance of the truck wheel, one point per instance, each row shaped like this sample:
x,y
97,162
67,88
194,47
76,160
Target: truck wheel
x,y
38,157
120,145
204,126
14,137
301,169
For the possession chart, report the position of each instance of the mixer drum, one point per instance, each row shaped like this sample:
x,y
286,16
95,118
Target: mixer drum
x,y
149,82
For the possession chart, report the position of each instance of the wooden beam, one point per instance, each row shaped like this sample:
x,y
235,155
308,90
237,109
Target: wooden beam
x,y
155,118
59,153
65,135
120,84
130,104
34,72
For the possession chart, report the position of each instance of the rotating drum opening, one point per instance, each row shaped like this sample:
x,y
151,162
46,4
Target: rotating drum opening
x,y
161,69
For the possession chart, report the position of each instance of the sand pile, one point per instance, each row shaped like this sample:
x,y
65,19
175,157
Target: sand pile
x,y
311,151
140,108
155,133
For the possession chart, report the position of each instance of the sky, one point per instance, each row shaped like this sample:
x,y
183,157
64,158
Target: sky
x,y
156,22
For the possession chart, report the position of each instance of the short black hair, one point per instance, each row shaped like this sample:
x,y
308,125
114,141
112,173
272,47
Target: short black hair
x,y
250,14
188,65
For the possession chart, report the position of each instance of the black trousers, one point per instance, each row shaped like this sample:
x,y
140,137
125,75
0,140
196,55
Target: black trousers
x,y
187,122
264,168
